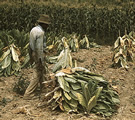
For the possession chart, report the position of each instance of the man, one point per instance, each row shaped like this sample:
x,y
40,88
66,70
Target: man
x,y
36,51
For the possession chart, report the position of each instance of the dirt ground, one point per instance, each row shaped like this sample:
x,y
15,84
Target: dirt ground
x,y
97,60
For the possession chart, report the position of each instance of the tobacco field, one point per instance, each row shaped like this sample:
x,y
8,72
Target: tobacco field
x,y
90,56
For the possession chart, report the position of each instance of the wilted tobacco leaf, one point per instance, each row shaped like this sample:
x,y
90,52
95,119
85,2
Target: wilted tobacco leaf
x,y
61,106
117,42
65,60
122,42
6,62
14,54
87,42
67,70
123,62
57,94
5,55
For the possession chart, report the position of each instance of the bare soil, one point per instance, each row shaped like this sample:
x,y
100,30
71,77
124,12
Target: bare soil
x,y
98,60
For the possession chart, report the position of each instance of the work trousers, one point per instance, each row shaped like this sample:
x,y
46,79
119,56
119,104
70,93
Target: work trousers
x,y
38,77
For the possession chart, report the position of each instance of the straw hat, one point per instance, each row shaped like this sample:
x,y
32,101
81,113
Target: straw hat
x,y
44,19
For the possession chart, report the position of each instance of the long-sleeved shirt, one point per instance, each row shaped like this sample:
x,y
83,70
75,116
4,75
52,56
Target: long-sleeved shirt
x,y
38,41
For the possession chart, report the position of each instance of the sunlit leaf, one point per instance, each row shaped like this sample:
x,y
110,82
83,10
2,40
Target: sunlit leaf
x,y
14,54
5,55
6,62
81,99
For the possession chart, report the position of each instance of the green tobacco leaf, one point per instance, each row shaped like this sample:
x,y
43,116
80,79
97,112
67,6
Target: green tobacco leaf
x,y
102,107
100,78
95,45
72,95
81,81
92,103
5,72
61,81
98,92
27,58
115,100
1,73
63,84
66,106
92,74
67,95
26,47
75,86
6,62
9,70
81,99
72,103
52,60
93,88
79,77
86,92
70,79
16,66
107,114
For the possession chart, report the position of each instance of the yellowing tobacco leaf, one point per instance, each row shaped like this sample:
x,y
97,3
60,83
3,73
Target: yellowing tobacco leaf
x,y
14,54
5,55
81,99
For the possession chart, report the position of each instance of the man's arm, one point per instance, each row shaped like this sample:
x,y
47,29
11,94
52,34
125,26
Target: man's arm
x,y
39,46
32,40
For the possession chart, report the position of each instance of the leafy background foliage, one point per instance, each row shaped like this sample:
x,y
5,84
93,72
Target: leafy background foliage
x,y
100,23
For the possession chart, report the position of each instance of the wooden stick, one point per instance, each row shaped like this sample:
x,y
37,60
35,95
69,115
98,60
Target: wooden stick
x,y
45,82
49,101
52,91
